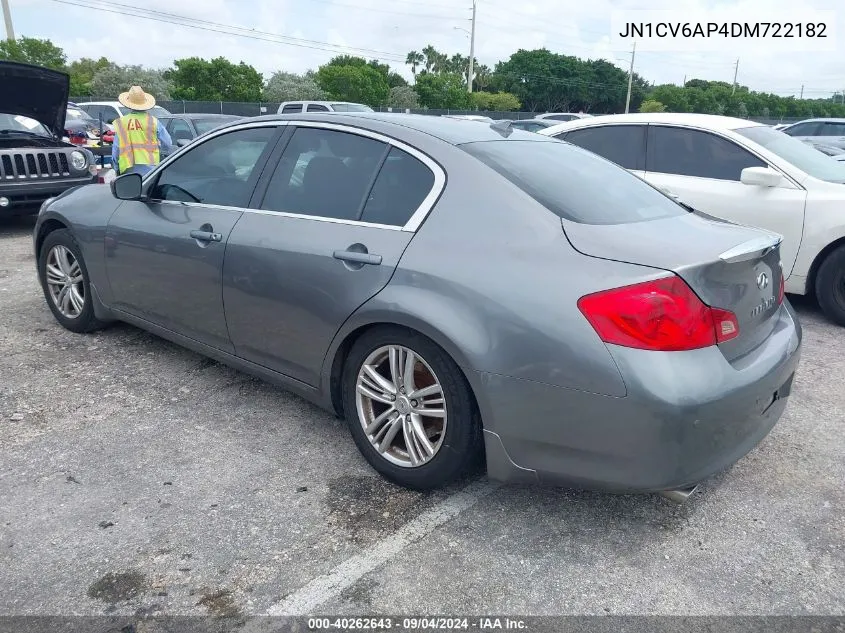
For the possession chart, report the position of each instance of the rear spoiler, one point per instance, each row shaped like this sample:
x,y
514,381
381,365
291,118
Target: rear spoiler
x,y
752,249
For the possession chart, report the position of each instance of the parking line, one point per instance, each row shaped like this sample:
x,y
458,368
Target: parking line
x,y
303,601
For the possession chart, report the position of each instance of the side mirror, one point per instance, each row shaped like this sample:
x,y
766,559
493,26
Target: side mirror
x,y
760,176
182,142
127,187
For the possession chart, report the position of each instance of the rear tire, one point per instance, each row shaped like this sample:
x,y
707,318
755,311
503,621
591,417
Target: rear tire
x,y
830,286
64,280
450,444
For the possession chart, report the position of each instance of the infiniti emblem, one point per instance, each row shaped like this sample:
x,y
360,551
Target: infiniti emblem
x,y
762,281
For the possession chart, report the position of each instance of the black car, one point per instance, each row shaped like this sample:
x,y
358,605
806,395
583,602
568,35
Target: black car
x,y
35,163
183,128
533,125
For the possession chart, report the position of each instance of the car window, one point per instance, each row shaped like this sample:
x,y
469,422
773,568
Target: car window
x,y
622,144
574,183
561,117
686,152
179,129
804,157
324,173
810,128
400,188
831,128
217,171
292,107
206,125
350,107
316,107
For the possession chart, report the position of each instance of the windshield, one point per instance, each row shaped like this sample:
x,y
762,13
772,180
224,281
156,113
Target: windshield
x,y
18,123
74,114
805,157
573,183
350,107
204,125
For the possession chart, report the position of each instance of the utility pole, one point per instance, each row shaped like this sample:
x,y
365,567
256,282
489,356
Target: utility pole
x,y
630,78
683,85
802,92
736,70
7,18
471,50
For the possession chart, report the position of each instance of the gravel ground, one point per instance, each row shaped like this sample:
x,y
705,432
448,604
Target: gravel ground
x,y
137,477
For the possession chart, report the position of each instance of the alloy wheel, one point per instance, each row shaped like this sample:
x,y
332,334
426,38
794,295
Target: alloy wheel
x,y
401,406
64,278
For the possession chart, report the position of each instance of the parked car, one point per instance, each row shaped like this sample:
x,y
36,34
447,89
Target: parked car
x,y
533,125
35,163
111,110
827,131
184,128
452,290
829,150
296,107
740,171
564,116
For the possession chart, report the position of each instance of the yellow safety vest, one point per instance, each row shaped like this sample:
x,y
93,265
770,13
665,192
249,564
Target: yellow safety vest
x,y
137,134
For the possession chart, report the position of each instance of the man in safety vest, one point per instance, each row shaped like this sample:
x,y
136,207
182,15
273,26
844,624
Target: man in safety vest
x,y
138,136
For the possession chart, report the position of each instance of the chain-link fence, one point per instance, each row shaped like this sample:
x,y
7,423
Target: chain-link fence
x,y
256,109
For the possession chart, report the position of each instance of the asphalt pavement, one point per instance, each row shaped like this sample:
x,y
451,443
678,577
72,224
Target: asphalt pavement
x,y
137,477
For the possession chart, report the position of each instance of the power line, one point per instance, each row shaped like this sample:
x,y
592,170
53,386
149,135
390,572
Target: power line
x,y
378,10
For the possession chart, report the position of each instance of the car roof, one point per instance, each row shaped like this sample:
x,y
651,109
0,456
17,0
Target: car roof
x,y
708,121
454,131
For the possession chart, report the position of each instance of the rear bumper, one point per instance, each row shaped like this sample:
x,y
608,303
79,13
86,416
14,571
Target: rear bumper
x,y
687,416
28,195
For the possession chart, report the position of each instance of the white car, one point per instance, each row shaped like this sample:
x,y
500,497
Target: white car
x,y
295,107
741,171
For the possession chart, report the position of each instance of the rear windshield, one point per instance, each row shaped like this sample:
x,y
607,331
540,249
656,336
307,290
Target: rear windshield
x,y
573,183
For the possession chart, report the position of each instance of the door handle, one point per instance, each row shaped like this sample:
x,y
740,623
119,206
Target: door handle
x,y
206,236
358,258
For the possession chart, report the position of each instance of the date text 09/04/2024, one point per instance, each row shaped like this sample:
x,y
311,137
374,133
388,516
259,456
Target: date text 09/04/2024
x,y
416,624
724,29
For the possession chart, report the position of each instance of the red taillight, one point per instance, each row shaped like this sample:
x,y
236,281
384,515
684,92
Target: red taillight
x,y
661,315
781,289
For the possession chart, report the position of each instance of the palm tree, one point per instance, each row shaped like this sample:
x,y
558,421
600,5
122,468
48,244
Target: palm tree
x,y
440,63
482,76
414,59
430,53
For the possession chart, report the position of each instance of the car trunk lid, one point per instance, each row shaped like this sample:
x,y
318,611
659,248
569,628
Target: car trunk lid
x,y
728,266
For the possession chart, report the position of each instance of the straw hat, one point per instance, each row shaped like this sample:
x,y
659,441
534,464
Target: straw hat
x,y
137,99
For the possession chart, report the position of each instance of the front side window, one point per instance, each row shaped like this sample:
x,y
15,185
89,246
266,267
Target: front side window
x,y
217,171
832,128
324,173
810,128
685,152
622,144
574,183
180,130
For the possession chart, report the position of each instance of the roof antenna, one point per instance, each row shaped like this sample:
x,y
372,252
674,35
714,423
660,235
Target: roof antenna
x,y
503,127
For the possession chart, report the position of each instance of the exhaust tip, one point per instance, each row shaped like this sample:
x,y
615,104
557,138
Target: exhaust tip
x,y
679,495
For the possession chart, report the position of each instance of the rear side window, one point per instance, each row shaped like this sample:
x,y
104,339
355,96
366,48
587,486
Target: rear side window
x,y
622,144
292,108
686,152
573,183
810,128
832,128
400,188
316,107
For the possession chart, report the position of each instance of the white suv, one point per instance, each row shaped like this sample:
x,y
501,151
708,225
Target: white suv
x,y
296,107
111,110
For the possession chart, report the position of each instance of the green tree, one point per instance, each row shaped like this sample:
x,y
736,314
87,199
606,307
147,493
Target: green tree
x,y
442,91
30,50
82,73
356,83
503,102
110,81
414,60
196,79
283,86
650,105
403,97
483,77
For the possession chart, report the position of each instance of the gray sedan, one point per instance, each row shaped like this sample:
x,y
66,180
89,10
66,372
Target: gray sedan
x,y
455,291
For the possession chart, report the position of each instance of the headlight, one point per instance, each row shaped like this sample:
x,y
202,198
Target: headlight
x,y
78,160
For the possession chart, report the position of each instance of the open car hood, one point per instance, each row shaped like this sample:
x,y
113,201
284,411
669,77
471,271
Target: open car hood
x,y
35,92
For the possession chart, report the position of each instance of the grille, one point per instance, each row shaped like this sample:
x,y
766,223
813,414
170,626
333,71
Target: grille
x,y
34,165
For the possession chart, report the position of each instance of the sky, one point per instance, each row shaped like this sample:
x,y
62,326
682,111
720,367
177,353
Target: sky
x,y
316,30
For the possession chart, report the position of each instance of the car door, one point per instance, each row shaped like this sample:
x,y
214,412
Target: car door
x,y
334,220
164,253
624,144
703,169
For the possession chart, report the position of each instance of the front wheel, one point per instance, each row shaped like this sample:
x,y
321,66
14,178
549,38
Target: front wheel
x,y
64,279
409,409
830,286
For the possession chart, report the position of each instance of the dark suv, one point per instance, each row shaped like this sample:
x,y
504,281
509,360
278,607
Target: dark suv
x,y
35,163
